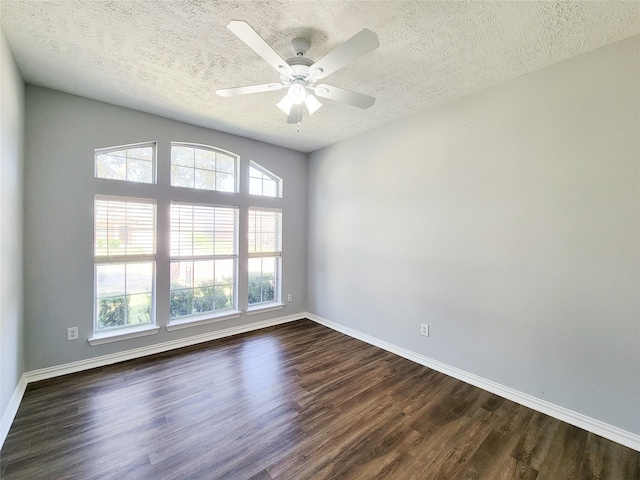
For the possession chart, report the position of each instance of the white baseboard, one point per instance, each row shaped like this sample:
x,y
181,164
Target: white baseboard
x,y
579,420
12,408
597,427
73,367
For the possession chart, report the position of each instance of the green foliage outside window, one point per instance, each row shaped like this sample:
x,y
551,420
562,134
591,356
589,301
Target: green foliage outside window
x,y
202,299
125,310
261,289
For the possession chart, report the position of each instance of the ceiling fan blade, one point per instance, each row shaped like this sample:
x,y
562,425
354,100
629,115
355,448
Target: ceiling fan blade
x,y
256,43
232,92
344,96
295,115
360,44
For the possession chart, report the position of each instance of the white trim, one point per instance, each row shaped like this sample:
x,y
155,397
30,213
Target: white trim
x,y
592,425
579,420
124,334
194,321
12,409
81,365
265,307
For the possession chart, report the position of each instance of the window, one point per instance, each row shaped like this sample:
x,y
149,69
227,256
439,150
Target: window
x,y
124,252
202,167
265,252
203,259
132,163
263,182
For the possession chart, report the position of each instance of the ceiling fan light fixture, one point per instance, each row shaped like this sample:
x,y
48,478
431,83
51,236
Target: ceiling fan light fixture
x,y
285,104
297,91
312,104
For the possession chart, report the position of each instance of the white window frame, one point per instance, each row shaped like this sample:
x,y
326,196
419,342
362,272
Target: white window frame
x,y
124,332
198,146
107,150
275,178
195,319
275,304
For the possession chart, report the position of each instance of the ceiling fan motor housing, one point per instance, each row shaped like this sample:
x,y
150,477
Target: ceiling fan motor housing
x,y
300,47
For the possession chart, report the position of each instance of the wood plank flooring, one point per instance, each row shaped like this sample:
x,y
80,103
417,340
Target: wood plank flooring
x,y
298,401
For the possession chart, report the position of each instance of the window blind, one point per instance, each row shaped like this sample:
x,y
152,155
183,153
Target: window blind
x,y
265,231
124,228
202,230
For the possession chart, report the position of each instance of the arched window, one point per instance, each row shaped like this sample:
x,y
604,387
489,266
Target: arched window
x,y
203,167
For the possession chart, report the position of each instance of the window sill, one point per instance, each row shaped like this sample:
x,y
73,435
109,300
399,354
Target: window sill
x,y
195,320
265,307
123,334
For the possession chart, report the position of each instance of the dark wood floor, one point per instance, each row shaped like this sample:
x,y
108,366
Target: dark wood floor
x,y
298,401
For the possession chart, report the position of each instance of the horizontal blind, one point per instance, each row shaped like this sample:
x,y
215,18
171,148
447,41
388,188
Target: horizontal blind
x,y
265,231
202,230
124,228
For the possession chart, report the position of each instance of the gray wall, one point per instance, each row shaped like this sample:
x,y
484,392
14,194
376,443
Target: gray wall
x,y
11,192
62,132
509,221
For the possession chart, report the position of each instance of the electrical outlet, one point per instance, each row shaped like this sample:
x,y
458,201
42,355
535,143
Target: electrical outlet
x,y
72,333
424,329
289,297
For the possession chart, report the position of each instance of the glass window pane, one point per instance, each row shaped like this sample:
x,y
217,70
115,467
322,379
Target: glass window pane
x,y
181,302
110,280
110,167
182,156
224,271
205,159
255,173
181,275
269,188
181,176
111,312
140,171
132,164
209,169
262,280
262,182
203,273
224,182
205,180
138,309
141,153
139,278
203,299
117,166
255,186
225,164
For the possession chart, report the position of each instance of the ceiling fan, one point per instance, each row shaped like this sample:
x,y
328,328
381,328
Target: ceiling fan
x,y
300,75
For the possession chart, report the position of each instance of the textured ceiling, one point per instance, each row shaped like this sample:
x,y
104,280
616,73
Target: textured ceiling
x,y
168,56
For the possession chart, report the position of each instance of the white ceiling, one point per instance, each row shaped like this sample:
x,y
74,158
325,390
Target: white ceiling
x,y
168,56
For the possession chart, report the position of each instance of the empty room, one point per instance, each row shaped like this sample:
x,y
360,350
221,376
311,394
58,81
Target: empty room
x,y
319,239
